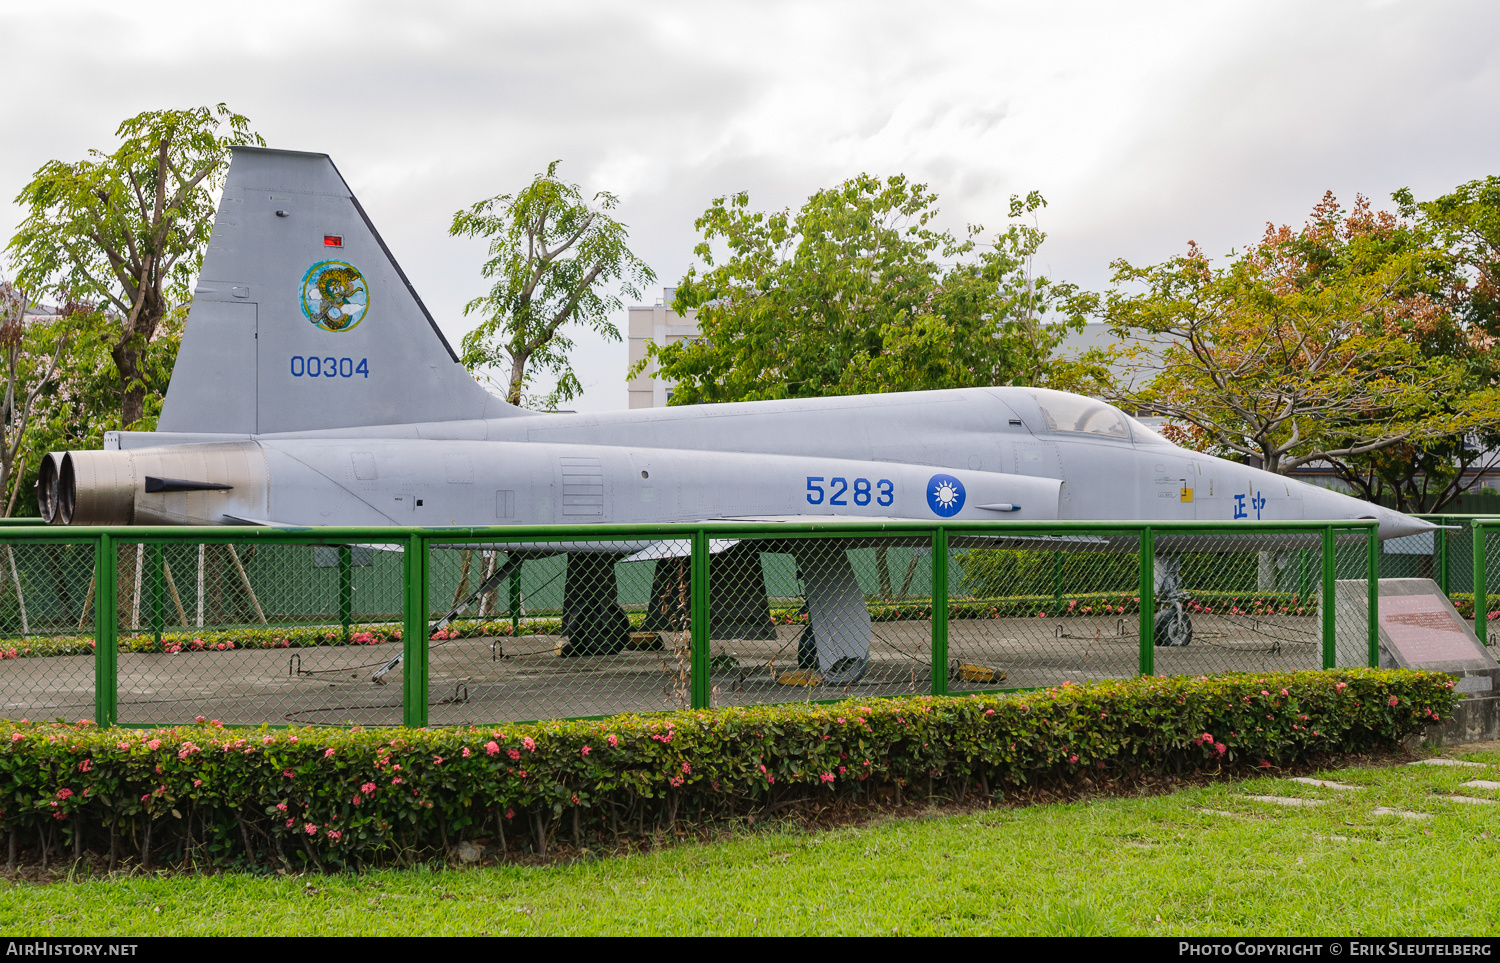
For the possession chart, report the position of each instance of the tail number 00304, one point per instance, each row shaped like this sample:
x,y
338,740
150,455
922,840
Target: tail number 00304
x,y
315,367
838,492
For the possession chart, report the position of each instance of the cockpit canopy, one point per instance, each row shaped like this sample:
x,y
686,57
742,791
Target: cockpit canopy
x,y
1063,411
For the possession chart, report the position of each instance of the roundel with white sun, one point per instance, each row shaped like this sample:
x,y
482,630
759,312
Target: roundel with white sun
x,y
945,495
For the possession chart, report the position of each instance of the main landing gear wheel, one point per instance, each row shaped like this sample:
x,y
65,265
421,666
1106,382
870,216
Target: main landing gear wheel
x,y
1173,628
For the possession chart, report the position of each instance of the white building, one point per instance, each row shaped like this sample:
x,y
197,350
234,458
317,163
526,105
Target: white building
x,y
655,324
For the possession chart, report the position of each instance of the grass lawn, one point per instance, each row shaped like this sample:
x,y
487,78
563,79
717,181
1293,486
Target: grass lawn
x,y
1206,860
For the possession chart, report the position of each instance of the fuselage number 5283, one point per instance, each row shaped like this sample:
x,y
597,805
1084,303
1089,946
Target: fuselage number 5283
x,y
839,491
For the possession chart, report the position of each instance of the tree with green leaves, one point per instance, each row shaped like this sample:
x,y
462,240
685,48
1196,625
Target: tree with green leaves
x,y
127,229
1333,344
31,347
1467,220
552,258
857,292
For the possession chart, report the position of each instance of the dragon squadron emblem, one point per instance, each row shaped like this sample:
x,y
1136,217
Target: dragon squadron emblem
x,y
335,296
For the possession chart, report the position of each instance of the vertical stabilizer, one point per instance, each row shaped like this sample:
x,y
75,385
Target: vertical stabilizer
x,y
302,320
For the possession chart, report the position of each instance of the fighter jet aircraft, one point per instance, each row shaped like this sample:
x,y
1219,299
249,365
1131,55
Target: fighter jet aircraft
x,y
314,388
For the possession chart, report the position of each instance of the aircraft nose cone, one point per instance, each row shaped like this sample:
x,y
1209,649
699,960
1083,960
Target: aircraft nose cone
x,y
1394,524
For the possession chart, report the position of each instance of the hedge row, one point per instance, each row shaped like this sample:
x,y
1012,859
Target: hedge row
x,y
356,797
293,637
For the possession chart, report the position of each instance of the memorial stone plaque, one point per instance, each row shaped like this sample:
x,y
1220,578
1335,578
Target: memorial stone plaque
x,y
1419,629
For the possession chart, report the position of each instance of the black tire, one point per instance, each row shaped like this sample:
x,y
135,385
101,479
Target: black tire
x,y
601,632
1173,628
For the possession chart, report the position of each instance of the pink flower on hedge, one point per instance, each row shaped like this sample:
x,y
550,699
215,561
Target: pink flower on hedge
x,y
64,793
86,765
826,777
437,760
310,828
1394,700
367,788
1072,758
201,719
529,743
197,783
288,773
613,740
1221,748
514,754
154,744
510,814
334,835
16,737
585,750
686,768
466,752
328,752
491,747
395,780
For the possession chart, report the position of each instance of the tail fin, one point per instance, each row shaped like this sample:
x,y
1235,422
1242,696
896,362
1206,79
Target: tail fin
x,y
302,319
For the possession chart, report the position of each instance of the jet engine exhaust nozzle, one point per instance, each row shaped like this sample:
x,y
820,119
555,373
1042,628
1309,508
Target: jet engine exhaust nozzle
x,y
205,484
95,488
46,488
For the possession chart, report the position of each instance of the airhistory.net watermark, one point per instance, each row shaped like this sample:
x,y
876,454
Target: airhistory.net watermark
x,y
55,948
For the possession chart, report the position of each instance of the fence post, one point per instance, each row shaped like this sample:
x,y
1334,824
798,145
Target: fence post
x,y
940,612
414,634
1441,549
1372,618
515,603
700,684
158,601
106,647
1481,584
1147,587
346,588
1057,572
1326,603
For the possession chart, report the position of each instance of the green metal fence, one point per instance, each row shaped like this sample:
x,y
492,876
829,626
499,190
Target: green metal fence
x,y
382,626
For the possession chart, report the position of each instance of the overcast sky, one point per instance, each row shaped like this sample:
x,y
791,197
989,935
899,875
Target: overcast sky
x,y
1144,124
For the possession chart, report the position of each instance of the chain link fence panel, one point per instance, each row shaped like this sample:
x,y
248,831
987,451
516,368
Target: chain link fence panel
x,y
47,630
263,632
526,631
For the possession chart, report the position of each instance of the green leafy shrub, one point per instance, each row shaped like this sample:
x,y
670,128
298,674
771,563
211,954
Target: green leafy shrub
x,y
320,797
